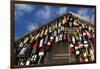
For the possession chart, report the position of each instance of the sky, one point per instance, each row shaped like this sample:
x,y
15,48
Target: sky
x,y
29,17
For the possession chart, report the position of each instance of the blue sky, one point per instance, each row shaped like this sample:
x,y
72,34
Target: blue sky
x,y
30,17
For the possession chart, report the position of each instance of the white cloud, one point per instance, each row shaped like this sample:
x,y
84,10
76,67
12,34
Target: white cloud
x,y
47,12
21,9
44,13
24,7
83,12
62,10
31,26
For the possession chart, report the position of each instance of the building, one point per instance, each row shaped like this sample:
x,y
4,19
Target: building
x,y
64,40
